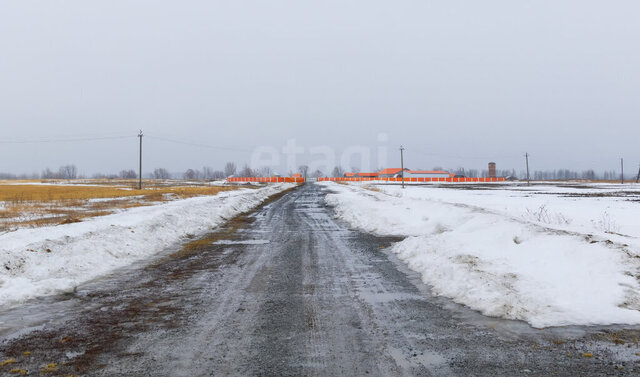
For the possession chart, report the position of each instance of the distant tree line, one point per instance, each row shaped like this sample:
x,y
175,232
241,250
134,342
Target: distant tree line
x,y
19,176
477,173
230,169
64,172
566,174
557,174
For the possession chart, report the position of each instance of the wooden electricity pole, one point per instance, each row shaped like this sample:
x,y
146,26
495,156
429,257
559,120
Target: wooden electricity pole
x,y
638,176
526,156
140,163
622,171
402,164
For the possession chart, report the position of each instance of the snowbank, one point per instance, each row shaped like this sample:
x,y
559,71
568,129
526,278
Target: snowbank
x,y
500,264
604,210
51,260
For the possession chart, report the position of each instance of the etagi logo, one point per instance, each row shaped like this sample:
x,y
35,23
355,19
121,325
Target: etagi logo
x,y
322,157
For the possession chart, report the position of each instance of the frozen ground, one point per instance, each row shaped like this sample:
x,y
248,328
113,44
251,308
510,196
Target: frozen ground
x,y
54,259
548,255
289,291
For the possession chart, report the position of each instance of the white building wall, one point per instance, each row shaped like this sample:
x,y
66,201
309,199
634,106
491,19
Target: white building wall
x,y
426,175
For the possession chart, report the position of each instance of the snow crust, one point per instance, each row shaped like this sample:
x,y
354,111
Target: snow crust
x,y
55,259
497,252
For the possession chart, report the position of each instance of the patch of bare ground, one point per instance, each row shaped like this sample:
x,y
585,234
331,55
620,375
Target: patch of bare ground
x,y
607,194
35,205
227,232
630,338
371,188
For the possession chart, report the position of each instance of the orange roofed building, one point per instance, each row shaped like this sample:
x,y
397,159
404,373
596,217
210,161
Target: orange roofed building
x,y
390,172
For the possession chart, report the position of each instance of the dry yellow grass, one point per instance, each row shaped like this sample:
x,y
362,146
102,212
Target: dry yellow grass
x,y
30,205
48,193
371,188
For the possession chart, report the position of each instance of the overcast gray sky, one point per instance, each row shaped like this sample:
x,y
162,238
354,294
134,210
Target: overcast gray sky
x,y
459,83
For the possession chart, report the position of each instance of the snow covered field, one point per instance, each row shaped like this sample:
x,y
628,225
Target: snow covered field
x,y
55,259
547,255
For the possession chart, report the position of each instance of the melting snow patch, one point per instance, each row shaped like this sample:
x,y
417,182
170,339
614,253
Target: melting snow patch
x,y
244,242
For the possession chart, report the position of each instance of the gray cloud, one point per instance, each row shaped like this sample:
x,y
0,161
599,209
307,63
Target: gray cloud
x,y
459,83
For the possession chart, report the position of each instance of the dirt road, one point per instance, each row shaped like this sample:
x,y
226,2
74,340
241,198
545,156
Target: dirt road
x,y
288,290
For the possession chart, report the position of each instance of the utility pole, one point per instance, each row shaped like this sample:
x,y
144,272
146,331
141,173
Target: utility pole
x,y
140,163
526,156
638,176
621,171
402,164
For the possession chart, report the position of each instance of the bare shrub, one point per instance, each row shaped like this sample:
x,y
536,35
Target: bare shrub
x,y
543,215
160,173
606,223
128,174
229,169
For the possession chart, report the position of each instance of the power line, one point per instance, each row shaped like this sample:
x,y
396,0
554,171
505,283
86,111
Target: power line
x,y
197,144
503,156
465,157
58,140
95,138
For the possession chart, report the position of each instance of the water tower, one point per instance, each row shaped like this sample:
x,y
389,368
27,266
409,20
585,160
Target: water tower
x,y
492,170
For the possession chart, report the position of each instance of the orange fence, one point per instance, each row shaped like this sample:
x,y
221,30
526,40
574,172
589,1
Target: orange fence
x,y
359,179
266,179
410,180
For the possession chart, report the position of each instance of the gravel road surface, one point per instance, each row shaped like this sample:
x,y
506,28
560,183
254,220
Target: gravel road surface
x,y
289,291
